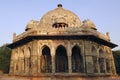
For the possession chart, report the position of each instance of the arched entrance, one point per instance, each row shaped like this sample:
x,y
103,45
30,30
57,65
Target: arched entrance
x,y
77,60
46,60
61,59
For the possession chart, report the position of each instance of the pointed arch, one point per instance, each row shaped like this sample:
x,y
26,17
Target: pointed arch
x,y
77,59
28,52
61,59
16,55
46,59
94,50
21,55
101,52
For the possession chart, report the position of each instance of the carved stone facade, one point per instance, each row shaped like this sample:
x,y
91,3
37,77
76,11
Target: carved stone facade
x,y
61,44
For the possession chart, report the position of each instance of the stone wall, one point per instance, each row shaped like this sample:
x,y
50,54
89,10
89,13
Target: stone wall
x,y
96,58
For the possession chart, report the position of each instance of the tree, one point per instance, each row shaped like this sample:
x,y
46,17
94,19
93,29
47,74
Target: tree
x,y
5,54
116,55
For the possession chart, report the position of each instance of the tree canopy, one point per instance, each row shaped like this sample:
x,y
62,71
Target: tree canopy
x,y
116,55
5,54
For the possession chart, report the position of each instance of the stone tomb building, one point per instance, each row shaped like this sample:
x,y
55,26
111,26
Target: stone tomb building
x,y
61,45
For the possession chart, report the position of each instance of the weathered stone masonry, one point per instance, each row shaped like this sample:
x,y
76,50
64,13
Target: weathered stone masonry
x,y
61,43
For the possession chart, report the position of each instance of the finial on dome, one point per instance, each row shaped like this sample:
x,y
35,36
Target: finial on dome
x,y
59,5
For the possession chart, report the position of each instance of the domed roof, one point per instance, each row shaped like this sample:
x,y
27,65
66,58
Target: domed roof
x,y
88,23
60,15
32,24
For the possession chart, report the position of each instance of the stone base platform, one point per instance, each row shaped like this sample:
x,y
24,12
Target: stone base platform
x,y
59,77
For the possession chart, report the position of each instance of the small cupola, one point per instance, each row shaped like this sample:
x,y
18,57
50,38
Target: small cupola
x,y
32,24
88,23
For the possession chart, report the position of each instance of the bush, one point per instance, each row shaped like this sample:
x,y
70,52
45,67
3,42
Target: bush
x,y
5,54
116,55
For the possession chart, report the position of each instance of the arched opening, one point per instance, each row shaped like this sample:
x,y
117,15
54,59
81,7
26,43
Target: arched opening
x,y
101,61
94,51
95,60
46,60
61,59
60,25
77,60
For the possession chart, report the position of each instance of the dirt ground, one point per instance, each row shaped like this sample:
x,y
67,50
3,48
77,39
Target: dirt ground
x,y
7,77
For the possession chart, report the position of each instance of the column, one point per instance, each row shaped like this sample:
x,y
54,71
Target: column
x,y
15,64
69,64
113,66
19,65
12,64
39,68
39,58
105,65
53,64
98,67
34,58
27,65
34,64
53,58
84,57
22,65
69,57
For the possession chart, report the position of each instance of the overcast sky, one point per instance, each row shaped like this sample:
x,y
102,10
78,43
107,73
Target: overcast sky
x,y
15,14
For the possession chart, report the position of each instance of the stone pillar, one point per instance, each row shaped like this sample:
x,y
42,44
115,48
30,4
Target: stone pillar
x,y
27,65
105,65
84,61
15,66
39,68
34,58
53,64
19,65
88,58
53,58
98,67
69,57
12,64
22,65
39,57
110,65
69,64
113,66
34,64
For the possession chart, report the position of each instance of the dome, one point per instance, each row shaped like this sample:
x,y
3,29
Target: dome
x,y
32,24
60,16
89,23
